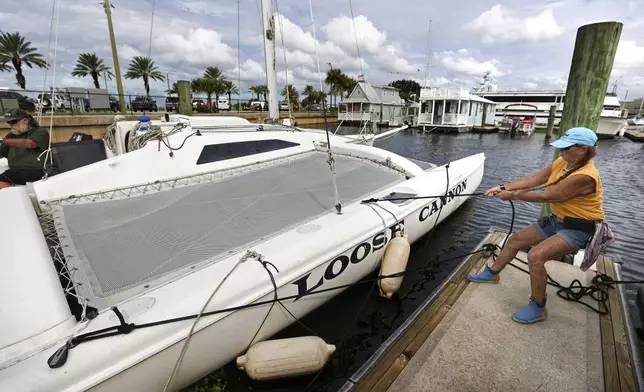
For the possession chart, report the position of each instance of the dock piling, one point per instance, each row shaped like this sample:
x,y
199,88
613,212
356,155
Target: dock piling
x,y
551,121
185,102
590,69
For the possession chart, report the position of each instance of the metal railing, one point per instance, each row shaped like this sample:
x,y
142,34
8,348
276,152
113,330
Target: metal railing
x,y
93,101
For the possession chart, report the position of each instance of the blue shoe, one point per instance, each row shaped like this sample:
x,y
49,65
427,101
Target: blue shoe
x,y
531,313
485,276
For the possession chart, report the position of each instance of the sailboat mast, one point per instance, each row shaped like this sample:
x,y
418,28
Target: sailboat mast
x,y
268,22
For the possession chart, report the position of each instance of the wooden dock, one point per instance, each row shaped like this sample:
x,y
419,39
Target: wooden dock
x,y
463,339
636,136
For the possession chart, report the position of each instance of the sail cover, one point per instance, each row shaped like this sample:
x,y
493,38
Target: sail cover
x,y
120,245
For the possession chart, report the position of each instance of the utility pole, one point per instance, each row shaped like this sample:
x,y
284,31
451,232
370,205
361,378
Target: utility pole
x,y
167,78
115,57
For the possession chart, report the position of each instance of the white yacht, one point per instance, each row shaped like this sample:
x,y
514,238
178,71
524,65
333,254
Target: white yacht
x,y
611,123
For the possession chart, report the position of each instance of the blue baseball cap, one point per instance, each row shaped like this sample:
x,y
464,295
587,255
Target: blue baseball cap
x,y
580,136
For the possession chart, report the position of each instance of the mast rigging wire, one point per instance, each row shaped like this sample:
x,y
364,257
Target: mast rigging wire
x,y
355,35
331,160
151,27
48,155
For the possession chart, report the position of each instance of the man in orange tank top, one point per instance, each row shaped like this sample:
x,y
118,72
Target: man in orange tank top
x,y
573,189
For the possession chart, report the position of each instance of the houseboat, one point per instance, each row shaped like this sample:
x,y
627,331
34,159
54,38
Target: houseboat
x,y
611,123
453,110
381,105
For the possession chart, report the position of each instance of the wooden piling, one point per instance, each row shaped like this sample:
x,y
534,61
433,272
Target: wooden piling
x,y
592,64
590,69
551,121
185,100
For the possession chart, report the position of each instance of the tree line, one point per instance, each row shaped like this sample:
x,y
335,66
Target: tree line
x,y
16,51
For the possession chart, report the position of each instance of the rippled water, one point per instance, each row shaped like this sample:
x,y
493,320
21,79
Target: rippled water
x,y
358,320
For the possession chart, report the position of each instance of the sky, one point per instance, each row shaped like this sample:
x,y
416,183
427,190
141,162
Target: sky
x,y
525,45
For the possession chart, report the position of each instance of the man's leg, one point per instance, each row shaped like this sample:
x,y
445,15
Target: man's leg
x,y
529,236
537,258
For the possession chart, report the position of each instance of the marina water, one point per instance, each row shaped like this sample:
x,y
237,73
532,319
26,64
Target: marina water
x,y
358,320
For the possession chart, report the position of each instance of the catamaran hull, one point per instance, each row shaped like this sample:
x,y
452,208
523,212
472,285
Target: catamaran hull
x,y
219,343
329,256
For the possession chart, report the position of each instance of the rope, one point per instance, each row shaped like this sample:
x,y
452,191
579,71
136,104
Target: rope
x,y
330,160
576,291
355,35
48,156
44,83
177,365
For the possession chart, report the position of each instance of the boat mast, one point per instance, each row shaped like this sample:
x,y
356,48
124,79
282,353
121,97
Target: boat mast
x,y
268,23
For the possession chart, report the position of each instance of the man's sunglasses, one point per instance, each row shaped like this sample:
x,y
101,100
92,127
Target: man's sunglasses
x,y
14,122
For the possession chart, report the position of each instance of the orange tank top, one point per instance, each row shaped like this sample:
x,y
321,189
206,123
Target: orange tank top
x,y
589,207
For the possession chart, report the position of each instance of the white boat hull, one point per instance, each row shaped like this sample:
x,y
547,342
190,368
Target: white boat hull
x,y
610,127
325,252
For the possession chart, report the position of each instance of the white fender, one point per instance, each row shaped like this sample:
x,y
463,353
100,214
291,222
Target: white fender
x,y
285,357
393,262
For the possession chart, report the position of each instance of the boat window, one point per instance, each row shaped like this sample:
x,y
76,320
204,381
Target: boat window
x,y
221,152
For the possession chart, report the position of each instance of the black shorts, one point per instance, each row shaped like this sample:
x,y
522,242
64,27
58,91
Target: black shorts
x,y
21,176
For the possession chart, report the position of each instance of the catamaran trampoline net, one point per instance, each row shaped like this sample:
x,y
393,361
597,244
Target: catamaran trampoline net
x,y
121,244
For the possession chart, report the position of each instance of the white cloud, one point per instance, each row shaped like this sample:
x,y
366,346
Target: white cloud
x,y
629,55
462,62
126,52
340,31
251,70
391,61
203,7
199,47
500,25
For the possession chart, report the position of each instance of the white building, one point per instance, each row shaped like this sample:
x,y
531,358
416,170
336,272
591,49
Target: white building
x,y
453,110
612,119
380,104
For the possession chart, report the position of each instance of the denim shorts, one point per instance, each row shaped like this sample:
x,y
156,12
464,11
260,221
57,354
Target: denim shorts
x,y
551,225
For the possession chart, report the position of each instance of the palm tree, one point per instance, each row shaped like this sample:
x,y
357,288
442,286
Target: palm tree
x,y
208,86
333,79
90,64
263,89
143,68
230,89
15,50
174,89
293,95
310,95
347,84
255,90
213,73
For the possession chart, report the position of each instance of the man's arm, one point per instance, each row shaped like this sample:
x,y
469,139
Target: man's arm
x,y
532,181
572,186
20,143
4,150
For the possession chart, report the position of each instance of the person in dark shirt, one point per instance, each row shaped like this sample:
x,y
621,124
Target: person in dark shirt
x,y
22,147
